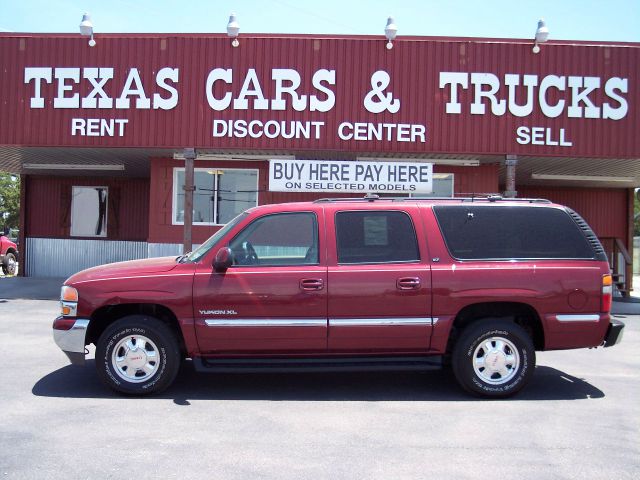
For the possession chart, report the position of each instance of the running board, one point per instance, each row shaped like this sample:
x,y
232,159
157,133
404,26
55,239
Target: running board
x,y
321,364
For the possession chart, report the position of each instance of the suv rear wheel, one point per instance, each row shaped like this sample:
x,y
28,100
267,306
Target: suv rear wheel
x,y
493,358
137,355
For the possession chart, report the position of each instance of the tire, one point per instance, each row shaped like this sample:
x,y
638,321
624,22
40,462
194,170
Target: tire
x,y
137,355
10,264
493,358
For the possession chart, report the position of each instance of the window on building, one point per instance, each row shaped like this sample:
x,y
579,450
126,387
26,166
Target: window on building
x,y
442,184
278,240
375,237
219,196
89,211
442,187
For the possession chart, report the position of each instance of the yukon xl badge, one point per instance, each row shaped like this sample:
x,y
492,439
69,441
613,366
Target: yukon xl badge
x,y
218,312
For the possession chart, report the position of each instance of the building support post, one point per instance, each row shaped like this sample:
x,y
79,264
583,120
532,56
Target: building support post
x,y
628,273
189,157
22,234
510,187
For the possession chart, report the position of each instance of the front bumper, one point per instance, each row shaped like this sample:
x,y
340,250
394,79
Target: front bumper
x,y
614,333
72,341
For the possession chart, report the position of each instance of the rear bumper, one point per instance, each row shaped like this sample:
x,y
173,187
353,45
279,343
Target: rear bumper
x,y
614,333
72,341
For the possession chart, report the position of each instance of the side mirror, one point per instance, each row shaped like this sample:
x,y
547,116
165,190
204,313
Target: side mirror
x,y
224,259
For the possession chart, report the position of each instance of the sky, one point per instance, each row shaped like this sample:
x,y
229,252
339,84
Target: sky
x,y
604,20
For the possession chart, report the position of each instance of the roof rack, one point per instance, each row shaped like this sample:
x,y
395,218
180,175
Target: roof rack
x,y
369,197
479,198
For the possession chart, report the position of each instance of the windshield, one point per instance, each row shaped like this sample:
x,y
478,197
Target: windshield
x,y
202,250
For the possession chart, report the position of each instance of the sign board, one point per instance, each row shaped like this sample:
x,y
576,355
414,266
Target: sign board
x,y
349,177
315,94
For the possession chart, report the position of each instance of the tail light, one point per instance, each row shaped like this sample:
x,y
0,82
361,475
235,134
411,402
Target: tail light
x,y
607,293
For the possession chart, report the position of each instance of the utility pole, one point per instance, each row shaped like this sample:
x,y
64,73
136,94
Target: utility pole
x,y
189,157
510,187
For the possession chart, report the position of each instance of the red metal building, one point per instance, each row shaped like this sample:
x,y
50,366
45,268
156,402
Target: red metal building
x,y
98,133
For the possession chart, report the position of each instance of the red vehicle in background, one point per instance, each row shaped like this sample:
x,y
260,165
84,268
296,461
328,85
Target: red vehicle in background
x,y
8,256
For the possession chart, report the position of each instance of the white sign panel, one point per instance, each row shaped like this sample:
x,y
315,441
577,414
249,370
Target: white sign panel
x,y
349,177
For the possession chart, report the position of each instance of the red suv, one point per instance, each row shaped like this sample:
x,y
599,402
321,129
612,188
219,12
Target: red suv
x,y
352,284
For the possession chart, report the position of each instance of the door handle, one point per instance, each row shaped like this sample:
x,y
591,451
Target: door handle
x,y
310,284
408,283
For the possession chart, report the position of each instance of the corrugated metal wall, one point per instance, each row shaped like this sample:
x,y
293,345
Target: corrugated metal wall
x,y
58,257
604,209
414,66
164,249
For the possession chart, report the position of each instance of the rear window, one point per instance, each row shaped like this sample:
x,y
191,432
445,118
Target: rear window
x,y
508,233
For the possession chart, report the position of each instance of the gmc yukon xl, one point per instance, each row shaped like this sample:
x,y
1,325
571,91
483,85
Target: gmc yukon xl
x,y
482,284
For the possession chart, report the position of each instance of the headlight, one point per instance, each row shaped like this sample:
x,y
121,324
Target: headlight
x,y
69,301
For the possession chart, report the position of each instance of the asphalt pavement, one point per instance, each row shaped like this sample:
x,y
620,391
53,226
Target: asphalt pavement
x,y
578,419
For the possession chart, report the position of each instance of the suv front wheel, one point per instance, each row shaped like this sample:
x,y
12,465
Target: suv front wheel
x,y
10,264
137,355
493,358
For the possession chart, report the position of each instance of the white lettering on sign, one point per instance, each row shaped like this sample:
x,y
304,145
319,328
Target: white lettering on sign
x,y
165,74
346,176
512,82
541,136
287,82
69,82
611,88
400,132
61,100
133,87
251,88
98,127
377,101
469,93
551,81
269,129
479,81
37,75
574,95
98,78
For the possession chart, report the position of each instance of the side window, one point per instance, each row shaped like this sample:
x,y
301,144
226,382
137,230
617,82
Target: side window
x,y
511,233
376,237
278,240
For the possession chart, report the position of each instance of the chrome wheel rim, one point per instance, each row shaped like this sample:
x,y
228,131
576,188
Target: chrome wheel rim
x,y
135,358
11,266
496,360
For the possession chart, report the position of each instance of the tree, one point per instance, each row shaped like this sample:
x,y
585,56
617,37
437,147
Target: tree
x,y
9,200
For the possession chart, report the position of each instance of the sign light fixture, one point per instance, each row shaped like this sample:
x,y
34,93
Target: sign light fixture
x,y
86,29
390,31
542,34
233,29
